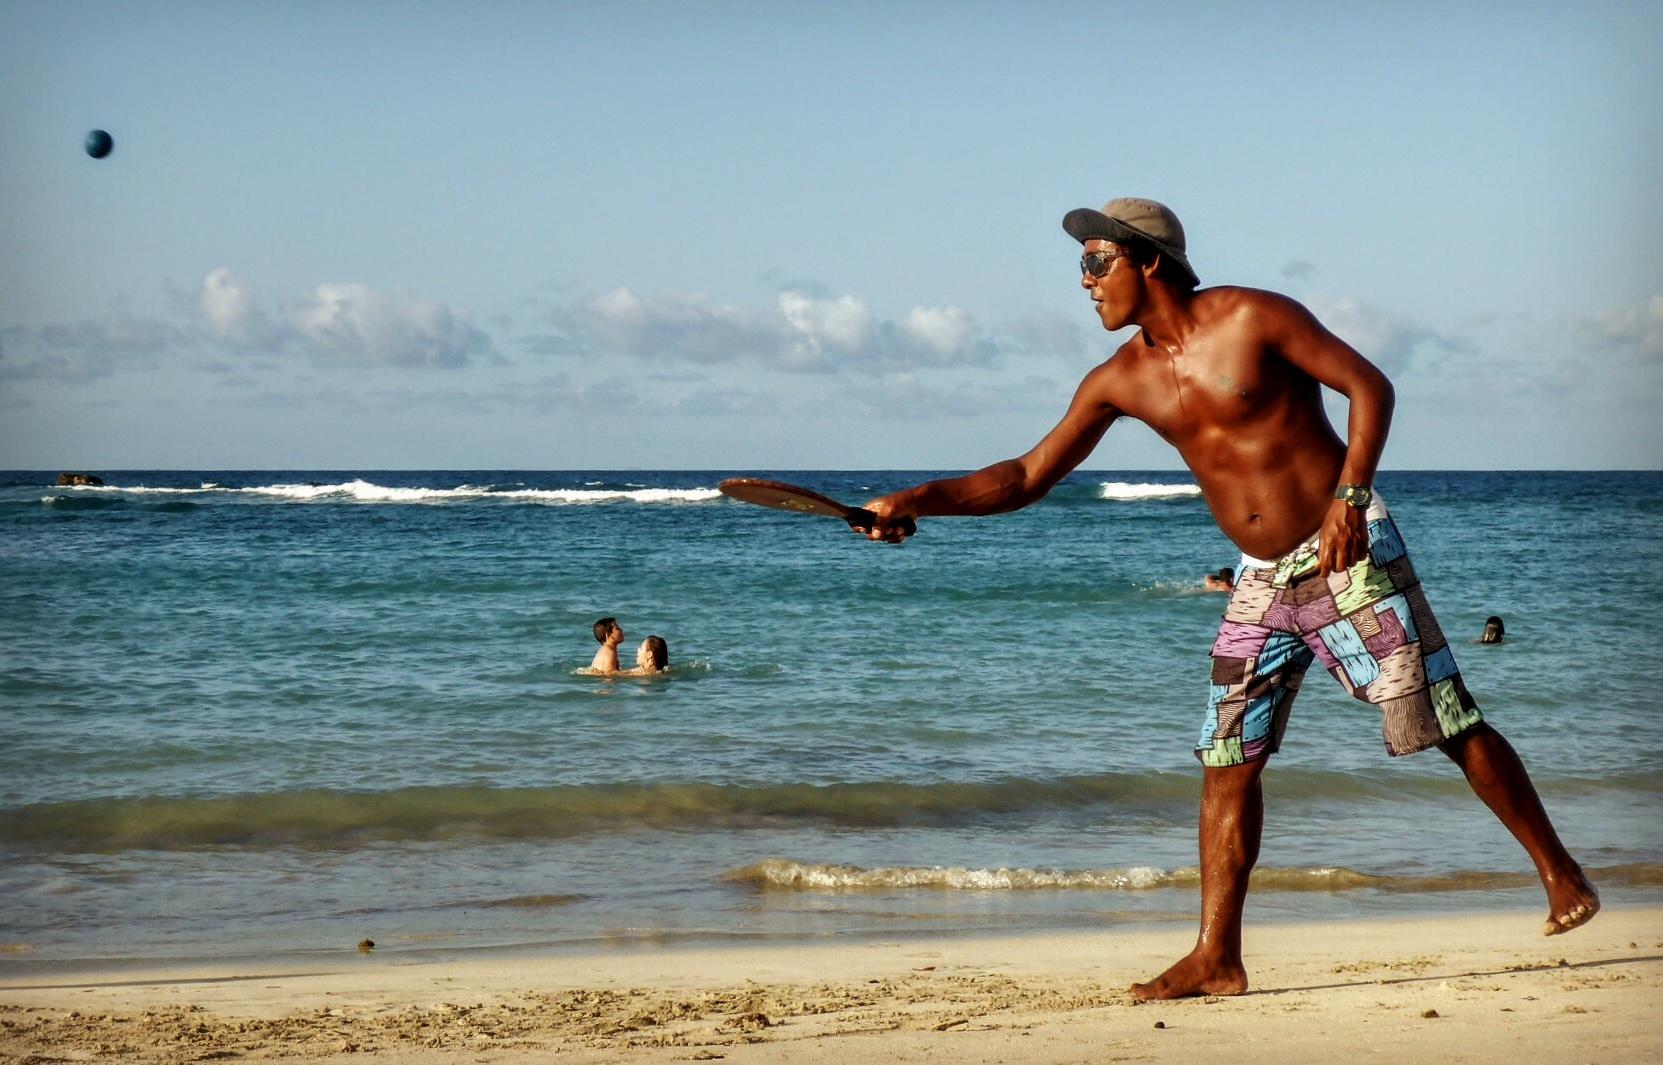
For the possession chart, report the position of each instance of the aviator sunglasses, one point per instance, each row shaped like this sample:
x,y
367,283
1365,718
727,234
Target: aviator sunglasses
x,y
1097,263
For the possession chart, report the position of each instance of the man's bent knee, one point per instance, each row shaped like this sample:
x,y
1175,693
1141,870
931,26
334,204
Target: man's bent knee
x,y
1455,746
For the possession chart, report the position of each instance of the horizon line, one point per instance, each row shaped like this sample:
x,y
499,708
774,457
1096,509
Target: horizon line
x,y
756,469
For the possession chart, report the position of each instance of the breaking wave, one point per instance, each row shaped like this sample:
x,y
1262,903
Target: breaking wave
x,y
780,874
361,491
1126,491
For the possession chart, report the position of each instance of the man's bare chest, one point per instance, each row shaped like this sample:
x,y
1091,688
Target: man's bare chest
x,y
1197,391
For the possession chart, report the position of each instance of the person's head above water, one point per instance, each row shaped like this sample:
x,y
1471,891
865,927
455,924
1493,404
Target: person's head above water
x,y
607,630
653,654
1494,630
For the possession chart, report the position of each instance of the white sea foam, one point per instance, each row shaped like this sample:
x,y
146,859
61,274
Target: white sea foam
x,y
361,491
782,873
1125,490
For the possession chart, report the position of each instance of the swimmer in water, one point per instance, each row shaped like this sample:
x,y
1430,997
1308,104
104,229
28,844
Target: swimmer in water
x,y
653,656
609,634
1494,630
1222,581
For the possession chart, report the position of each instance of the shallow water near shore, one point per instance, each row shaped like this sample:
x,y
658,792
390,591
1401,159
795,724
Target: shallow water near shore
x,y
290,709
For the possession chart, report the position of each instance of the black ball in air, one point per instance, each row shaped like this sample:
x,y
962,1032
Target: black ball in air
x,y
99,144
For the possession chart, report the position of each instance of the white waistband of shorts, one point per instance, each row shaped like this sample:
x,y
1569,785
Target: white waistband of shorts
x,y
1375,512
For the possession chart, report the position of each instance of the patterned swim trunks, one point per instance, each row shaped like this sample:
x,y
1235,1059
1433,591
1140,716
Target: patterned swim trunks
x,y
1371,628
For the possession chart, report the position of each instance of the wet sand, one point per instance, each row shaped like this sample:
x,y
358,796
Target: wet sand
x,y
1469,988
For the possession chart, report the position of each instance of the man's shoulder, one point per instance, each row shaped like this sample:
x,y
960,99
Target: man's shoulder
x,y
1253,309
1240,298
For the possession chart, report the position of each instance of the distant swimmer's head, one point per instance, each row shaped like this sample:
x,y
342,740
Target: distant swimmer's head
x,y
653,654
1494,630
607,630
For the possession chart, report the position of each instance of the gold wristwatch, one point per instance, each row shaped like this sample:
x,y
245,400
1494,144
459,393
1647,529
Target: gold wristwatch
x,y
1355,495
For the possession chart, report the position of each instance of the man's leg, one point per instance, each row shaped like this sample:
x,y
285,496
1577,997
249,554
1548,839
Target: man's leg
x,y
1499,778
1232,820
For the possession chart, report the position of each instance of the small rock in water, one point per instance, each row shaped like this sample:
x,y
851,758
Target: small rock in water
x,y
366,945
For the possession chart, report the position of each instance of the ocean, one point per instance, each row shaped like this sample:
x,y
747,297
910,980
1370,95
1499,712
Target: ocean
x,y
257,712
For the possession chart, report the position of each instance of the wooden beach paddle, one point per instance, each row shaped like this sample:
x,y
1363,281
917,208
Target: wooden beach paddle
x,y
778,495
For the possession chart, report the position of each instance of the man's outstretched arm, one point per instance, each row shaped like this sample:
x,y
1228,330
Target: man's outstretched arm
x,y
1307,344
1013,483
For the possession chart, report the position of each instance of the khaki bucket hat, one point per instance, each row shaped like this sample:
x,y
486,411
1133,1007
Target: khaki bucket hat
x,y
1129,220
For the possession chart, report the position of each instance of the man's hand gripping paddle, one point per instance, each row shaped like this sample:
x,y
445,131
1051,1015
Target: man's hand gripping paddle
x,y
781,496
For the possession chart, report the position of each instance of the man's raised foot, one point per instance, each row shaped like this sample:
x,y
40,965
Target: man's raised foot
x,y
1194,975
1572,903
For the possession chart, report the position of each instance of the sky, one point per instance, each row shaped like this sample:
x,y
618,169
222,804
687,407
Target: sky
x,y
800,235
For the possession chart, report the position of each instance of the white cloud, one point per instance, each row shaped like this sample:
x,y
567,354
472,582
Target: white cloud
x,y
1637,328
343,325
1387,339
821,329
1058,335
227,304
943,330
917,400
803,331
225,301
355,325
671,325
89,349
118,334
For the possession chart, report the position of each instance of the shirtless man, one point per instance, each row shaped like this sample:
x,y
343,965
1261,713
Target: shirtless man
x,y
609,634
1232,378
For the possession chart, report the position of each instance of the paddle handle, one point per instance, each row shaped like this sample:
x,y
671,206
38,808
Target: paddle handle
x,y
866,519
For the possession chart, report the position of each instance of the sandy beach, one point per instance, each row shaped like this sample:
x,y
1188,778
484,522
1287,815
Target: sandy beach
x,y
1469,988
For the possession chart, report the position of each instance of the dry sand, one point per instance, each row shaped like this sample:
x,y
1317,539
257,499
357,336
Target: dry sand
x,y
1472,988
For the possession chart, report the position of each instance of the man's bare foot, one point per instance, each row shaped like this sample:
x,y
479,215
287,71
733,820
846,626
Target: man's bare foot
x,y
1193,975
1570,905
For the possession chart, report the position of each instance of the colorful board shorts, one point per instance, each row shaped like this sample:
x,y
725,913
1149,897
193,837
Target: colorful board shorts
x,y
1370,627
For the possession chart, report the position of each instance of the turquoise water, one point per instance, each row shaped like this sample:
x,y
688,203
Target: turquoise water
x,y
290,709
